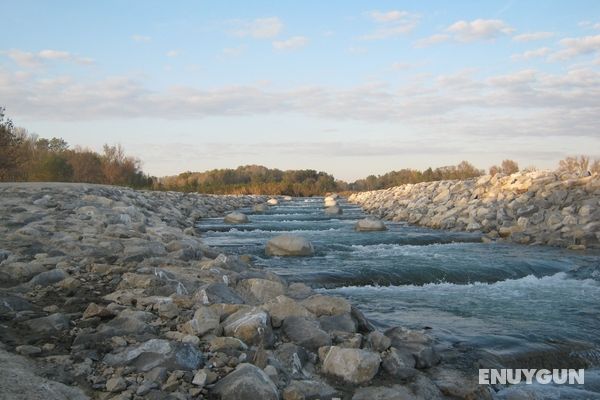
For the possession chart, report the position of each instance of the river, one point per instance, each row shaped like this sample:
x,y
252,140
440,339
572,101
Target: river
x,y
487,305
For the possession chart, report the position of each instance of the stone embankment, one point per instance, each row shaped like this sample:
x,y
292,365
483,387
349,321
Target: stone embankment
x,y
108,293
527,207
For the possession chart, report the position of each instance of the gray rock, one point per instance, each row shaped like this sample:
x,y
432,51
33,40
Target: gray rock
x,y
340,322
395,392
49,277
354,366
116,385
333,210
377,341
326,305
51,324
369,224
283,307
157,352
236,218
398,364
305,332
217,293
252,326
259,291
289,245
247,382
205,321
309,390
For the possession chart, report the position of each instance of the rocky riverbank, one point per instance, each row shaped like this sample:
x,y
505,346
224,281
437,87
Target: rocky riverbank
x,y
109,293
527,207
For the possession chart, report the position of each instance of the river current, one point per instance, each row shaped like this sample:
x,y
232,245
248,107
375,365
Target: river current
x,y
487,304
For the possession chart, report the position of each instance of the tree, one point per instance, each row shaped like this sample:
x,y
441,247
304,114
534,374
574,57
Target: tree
x,y
9,148
52,167
575,165
509,167
494,169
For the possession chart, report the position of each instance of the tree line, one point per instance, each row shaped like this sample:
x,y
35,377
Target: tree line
x,y
27,157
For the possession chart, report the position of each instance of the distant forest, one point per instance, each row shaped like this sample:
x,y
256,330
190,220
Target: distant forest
x,y
27,157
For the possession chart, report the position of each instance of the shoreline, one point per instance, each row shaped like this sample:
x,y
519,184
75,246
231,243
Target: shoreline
x,y
538,207
107,293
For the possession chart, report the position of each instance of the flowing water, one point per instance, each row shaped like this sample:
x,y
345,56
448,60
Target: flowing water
x,y
487,304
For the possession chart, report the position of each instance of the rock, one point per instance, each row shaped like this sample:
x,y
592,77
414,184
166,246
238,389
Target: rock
x,y
49,325
287,198
415,343
398,364
28,350
456,384
289,245
330,202
48,277
369,224
252,326
283,307
217,293
305,332
377,341
259,291
320,305
94,310
157,353
309,390
272,202
333,210
247,382
354,366
260,208
19,382
168,310
116,384
395,392
236,218
205,320
340,322
224,343
200,378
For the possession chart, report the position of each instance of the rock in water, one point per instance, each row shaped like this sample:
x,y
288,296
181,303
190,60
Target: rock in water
x,y
260,208
287,198
369,224
354,366
335,210
247,382
273,202
236,217
329,202
289,245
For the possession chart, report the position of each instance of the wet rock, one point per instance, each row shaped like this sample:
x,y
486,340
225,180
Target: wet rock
x,y
340,322
333,210
289,245
369,224
305,332
247,382
354,366
415,343
236,218
398,364
377,341
456,384
260,208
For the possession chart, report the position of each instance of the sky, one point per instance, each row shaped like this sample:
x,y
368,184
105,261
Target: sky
x,y
348,87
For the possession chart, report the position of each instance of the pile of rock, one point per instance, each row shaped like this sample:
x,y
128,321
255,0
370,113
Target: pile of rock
x,y
527,207
107,293
331,205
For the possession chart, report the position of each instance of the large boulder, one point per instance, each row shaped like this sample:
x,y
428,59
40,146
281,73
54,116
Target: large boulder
x,y
369,224
334,210
354,366
260,208
205,320
247,382
259,291
283,307
329,202
320,305
236,217
287,198
272,202
289,245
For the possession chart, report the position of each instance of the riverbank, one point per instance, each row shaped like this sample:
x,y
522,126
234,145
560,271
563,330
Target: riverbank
x,y
110,293
538,207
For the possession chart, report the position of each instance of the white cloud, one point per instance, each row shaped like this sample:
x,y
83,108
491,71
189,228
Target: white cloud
x,y
294,42
388,16
172,53
260,28
573,47
532,36
479,29
233,51
526,102
431,40
27,59
141,38
529,54
391,24
589,25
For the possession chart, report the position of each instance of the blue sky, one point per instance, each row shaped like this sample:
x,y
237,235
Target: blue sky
x,y
352,88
